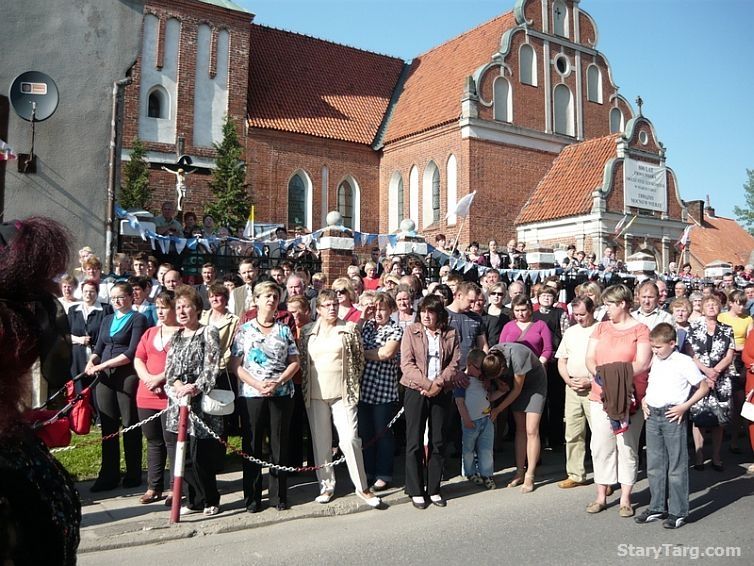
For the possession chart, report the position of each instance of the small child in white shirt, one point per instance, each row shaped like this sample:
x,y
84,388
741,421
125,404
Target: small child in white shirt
x,y
671,379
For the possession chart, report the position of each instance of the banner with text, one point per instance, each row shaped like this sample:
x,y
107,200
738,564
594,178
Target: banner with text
x,y
645,185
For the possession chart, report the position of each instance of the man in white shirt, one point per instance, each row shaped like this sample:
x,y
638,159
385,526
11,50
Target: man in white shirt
x,y
571,356
649,311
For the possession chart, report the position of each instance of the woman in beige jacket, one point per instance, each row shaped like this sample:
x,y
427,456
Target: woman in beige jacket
x,y
332,361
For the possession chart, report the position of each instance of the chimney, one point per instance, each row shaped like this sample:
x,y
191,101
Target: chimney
x,y
696,209
708,209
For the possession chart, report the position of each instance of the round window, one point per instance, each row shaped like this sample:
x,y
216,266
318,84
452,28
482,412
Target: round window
x,y
643,137
562,64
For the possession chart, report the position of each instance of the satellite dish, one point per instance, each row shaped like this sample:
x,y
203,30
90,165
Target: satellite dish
x,y
34,96
185,160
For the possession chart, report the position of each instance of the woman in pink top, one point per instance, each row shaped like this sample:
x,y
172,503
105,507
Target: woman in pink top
x,y
615,456
532,333
150,395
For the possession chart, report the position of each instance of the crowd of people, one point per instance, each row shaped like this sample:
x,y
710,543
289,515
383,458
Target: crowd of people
x,y
308,358
321,368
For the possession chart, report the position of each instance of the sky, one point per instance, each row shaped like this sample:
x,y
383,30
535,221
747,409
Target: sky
x,y
689,60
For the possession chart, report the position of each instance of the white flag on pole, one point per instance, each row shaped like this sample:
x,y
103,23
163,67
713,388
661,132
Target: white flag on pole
x,y
463,206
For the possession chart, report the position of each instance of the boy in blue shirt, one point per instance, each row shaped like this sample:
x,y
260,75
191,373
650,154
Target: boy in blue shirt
x,y
665,405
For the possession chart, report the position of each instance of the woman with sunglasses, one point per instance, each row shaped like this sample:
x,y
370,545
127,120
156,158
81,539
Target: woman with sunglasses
x,y
343,289
494,318
118,338
332,363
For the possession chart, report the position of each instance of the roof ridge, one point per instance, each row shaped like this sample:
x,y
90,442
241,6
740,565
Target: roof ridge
x,y
328,41
467,32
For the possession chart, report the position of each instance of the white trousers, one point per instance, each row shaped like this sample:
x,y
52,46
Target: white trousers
x,y
322,414
615,458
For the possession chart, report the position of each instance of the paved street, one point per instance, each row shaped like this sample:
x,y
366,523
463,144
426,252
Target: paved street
x,y
504,526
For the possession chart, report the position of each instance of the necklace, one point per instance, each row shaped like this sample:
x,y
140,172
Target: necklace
x,y
270,325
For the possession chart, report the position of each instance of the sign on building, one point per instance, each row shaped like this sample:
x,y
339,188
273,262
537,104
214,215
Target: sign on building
x,y
645,185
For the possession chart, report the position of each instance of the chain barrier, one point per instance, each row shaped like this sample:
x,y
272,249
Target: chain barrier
x,y
115,434
198,421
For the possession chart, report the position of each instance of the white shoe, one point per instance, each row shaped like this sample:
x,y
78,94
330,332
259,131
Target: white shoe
x,y
371,500
211,510
185,510
324,497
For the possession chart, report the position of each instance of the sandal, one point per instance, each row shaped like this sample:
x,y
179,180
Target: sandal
x,y
528,485
150,496
518,479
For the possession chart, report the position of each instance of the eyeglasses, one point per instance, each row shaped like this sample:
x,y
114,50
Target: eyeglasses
x,y
340,291
496,294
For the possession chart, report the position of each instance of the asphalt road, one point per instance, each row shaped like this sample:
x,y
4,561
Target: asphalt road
x,y
548,526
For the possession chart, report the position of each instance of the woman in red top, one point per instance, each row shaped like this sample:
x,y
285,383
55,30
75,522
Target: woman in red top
x,y
346,299
150,395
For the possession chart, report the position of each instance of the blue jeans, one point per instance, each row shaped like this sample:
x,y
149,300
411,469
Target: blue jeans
x,y
379,453
478,442
667,463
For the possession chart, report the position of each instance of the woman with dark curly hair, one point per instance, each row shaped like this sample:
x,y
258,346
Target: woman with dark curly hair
x,y
429,360
40,512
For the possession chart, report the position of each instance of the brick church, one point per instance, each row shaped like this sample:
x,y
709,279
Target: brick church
x,y
522,109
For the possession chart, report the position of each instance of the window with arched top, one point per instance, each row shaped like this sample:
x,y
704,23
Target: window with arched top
x,y
395,201
502,100
560,18
299,207
451,178
413,194
157,103
431,194
346,204
594,84
563,111
616,121
527,65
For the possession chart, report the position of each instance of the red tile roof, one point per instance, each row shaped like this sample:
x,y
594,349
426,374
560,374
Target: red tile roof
x,y
432,92
566,189
719,239
310,86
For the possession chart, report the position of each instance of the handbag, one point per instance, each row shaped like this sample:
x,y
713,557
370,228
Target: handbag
x,y
219,402
747,410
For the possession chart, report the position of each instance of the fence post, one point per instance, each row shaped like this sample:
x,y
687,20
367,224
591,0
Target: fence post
x,y
180,458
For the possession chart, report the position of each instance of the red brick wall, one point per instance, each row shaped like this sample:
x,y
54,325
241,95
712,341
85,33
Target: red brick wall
x,y
273,157
418,151
504,177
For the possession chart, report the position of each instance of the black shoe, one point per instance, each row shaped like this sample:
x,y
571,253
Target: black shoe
x,y
281,506
438,502
699,467
718,467
131,482
420,504
254,507
647,516
103,485
673,522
